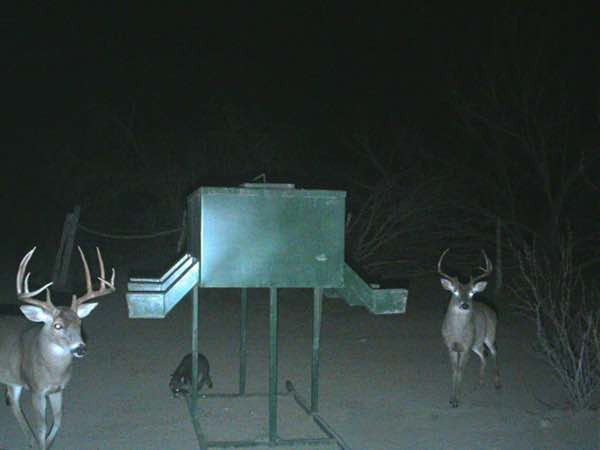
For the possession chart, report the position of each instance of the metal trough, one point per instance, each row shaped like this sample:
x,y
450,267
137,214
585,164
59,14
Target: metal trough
x,y
377,300
153,298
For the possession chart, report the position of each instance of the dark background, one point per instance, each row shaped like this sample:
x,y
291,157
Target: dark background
x,y
126,108
299,62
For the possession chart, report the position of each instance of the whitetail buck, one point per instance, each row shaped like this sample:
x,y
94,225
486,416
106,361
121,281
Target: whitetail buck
x,y
38,358
468,325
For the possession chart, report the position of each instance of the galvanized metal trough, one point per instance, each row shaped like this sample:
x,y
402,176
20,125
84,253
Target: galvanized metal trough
x,y
264,236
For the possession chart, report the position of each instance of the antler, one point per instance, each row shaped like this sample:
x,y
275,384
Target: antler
x,y
23,292
91,293
486,270
439,267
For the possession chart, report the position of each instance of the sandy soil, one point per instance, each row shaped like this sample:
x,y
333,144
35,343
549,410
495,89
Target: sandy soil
x,y
384,379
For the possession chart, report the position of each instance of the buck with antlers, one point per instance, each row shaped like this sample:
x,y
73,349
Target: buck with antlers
x,y
39,359
468,325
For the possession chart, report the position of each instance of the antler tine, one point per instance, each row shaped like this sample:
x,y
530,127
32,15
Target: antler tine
x,y
23,293
90,293
101,264
21,271
27,294
439,266
48,297
487,270
110,283
102,276
86,269
27,297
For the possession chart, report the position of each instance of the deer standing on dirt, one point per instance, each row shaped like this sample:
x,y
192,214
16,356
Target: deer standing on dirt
x,y
39,359
468,325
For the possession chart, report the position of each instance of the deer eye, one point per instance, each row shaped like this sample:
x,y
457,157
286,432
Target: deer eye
x,y
58,326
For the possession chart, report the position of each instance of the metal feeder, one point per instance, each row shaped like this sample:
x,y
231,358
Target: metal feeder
x,y
264,236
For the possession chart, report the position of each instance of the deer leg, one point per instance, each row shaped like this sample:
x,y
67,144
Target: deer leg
x,y
455,362
14,396
39,418
56,404
461,363
492,347
478,350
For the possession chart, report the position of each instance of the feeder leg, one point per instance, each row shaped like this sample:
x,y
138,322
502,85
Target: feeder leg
x,y
195,313
314,386
243,328
273,367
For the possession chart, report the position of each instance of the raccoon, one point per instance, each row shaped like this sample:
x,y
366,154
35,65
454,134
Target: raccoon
x,y
181,379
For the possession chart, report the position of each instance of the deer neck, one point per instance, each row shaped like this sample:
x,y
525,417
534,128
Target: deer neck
x,y
54,357
456,316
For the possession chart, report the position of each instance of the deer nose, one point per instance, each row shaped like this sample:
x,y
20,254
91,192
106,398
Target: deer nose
x,y
464,306
79,351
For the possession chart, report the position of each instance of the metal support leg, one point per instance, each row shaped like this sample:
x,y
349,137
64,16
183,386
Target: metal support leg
x,y
330,439
243,328
273,366
314,386
194,387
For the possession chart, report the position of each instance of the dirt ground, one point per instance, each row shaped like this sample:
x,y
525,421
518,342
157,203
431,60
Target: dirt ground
x,y
385,380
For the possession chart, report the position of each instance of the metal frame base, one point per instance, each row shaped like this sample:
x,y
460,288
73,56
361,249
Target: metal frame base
x,y
331,439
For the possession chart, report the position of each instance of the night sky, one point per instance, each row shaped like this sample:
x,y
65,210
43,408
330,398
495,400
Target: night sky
x,y
298,61
315,65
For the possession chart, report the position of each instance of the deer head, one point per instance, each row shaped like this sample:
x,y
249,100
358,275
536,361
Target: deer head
x,y
462,294
62,325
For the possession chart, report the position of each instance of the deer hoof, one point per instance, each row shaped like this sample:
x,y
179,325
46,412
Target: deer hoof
x,y
454,403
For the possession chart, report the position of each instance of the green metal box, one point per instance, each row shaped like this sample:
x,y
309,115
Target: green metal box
x,y
262,235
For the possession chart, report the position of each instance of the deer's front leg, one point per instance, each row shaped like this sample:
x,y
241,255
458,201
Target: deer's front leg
x,y
14,396
56,404
462,363
40,428
454,362
459,361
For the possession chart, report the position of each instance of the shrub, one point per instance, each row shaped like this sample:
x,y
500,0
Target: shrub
x,y
566,314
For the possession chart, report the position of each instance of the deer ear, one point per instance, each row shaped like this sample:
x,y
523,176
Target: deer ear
x,y
85,309
447,284
479,287
36,314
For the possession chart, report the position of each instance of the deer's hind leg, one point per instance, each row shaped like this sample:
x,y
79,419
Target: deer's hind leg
x,y
493,351
479,351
